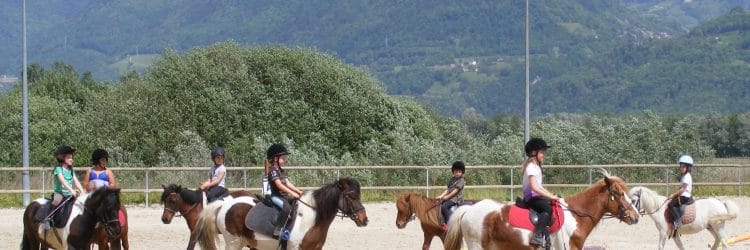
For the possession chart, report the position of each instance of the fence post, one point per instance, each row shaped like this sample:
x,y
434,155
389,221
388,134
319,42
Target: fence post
x,y
147,187
740,171
666,180
338,172
427,181
511,184
244,178
43,180
590,175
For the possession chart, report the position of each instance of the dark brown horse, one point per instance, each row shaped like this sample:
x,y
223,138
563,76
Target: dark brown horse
x,y
486,225
101,206
426,209
315,214
187,203
105,242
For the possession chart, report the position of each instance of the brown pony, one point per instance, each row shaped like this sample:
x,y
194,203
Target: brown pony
x,y
106,242
315,213
101,207
188,203
426,209
485,225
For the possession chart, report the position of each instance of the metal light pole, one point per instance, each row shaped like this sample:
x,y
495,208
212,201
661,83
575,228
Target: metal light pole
x,y
26,183
526,118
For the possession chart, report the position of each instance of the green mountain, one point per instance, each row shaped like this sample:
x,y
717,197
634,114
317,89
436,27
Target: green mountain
x,y
458,57
684,13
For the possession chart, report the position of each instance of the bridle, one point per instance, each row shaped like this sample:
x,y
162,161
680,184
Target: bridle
x,y
351,210
637,204
176,212
617,197
104,219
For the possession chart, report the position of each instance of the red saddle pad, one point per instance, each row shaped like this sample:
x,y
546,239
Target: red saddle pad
x,y
519,217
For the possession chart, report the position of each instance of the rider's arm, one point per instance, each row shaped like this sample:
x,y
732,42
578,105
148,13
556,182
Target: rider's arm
x,y
77,184
540,190
679,191
284,188
112,179
292,187
86,181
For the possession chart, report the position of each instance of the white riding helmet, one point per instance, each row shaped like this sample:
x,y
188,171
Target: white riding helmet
x,y
685,159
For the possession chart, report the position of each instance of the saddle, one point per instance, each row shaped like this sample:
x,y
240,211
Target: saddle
x,y
59,216
687,211
521,216
262,217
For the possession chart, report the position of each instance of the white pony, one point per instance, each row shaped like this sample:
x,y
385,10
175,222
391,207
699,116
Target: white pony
x,y
710,213
485,225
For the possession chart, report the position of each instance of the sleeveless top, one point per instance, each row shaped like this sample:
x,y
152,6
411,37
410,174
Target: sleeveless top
x,y
100,179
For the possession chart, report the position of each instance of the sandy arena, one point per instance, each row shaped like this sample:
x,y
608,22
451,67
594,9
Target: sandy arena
x,y
148,232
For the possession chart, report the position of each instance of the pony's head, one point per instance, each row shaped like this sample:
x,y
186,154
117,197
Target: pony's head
x,y
405,212
645,200
104,204
172,197
618,203
349,202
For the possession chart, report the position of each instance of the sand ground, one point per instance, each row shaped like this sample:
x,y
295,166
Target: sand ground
x,y
148,232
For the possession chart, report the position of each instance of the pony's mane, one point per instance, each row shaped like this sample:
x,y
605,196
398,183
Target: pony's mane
x,y
650,199
187,195
425,208
327,198
101,194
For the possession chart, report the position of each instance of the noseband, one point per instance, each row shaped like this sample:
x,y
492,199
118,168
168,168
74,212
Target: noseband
x,y
176,212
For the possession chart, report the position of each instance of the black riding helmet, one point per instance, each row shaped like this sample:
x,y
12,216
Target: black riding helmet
x,y
276,150
535,144
217,151
62,151
98,155
460,166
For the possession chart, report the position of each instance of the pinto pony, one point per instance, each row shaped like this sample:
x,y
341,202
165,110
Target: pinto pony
x,y
105,242
315,213
187,203
426,209
486,225
710,214
101,206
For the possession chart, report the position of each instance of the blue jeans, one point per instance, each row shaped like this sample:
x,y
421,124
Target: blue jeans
x,y
278,201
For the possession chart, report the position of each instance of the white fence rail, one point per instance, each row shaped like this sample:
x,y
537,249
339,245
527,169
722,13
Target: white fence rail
x,y
668,179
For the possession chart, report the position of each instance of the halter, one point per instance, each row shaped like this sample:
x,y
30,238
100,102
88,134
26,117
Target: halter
x,y
623,210
103,219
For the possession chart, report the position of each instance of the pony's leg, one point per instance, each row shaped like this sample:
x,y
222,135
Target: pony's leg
x,y
662,239
427,240
678,241
717,230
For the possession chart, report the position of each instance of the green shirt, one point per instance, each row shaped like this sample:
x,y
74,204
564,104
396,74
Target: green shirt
x,y
67,176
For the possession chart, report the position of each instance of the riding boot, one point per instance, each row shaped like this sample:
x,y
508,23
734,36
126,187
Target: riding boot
x,y
540,230
282,219
676,216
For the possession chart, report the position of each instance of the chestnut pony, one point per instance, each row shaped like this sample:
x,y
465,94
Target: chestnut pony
x,y
101,206
105,242
485,225
187,203
315,213
410,205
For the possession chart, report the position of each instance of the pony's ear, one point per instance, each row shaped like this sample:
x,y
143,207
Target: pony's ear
x,y
344,183
164,187
607,181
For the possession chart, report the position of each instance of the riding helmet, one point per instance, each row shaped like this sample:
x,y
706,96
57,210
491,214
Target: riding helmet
x,y
217,151
535,144
276,150
687,159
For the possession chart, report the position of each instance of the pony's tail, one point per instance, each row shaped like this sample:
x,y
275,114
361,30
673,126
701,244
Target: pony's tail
x,y
732,212
455,237
206,229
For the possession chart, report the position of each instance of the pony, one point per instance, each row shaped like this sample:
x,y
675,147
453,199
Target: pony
x,y
315,213
187,203
105,242
428,210
710,214
101,206
486,224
